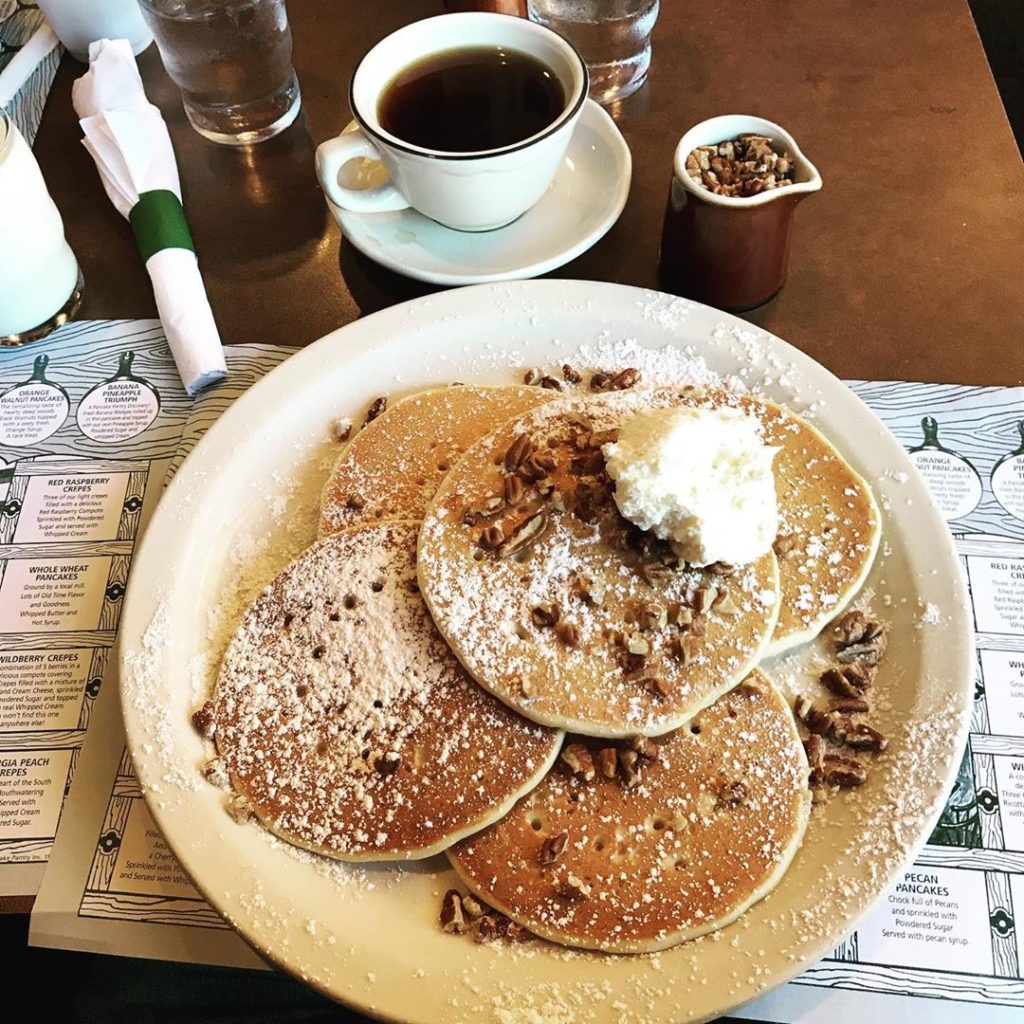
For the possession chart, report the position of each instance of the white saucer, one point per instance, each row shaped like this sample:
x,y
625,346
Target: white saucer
x,y
582,203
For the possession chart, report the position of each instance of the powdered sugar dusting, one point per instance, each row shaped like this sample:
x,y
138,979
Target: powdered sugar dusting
x,y
346,721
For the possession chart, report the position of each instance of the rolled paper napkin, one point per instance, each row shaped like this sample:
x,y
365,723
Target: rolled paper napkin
x,y
127,137
20,67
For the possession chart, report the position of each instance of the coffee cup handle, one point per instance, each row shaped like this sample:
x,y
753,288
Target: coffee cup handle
x,y
333,154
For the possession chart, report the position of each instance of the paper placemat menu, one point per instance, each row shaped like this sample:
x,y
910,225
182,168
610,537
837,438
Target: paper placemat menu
x,y
942,942
91,420
17,23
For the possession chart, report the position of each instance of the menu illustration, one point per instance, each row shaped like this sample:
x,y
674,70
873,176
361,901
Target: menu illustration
x,y
943,943
71,510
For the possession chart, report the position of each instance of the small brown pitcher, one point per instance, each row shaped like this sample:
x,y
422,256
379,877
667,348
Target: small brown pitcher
x,y
730,251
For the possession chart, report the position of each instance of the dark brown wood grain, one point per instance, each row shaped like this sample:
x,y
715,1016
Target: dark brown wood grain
x,y
906,265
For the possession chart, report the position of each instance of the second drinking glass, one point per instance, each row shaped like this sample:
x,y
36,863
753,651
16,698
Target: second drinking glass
x,y
612,36
232,61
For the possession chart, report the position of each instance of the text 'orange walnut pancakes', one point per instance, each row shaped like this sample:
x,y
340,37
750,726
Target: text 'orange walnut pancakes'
x,y
661,841
347,724
565,610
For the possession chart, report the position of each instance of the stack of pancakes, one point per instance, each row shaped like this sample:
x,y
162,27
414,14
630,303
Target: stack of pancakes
x,y
406,686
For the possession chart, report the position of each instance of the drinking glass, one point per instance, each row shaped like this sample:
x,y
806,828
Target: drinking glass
x,y
40,283
232,61
613,37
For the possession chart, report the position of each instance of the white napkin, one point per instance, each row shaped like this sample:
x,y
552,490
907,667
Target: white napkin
x,y
127,137
20,67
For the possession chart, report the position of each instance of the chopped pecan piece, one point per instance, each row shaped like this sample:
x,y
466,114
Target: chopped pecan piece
x,y
679,614
725,605
868,653
568,633
240,809
655,573
514,490
536,467
599,438
628,764
600,381
732,794
820,792
698,625
552,848
658,685
636,644
860,735
572,887
645,747
784,544
492,538
524,534
591,589
851,681
473,908
813,717
215,772
843,771
652,616
355,502
587,465
453,920
703,598
815,758
551,383
684,648
607,761
343,428
850,628
571,375
532,376
848,706
521,448
203,721
579,761
632,664
484,509
545,614
721,569
491,926
624,379
376,408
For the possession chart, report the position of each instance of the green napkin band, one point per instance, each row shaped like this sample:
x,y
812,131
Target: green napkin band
x,y
158,222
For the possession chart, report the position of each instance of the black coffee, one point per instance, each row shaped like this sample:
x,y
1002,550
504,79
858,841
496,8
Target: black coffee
x,y
475,98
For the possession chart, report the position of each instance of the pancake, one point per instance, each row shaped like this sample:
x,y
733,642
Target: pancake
x,y
829,523
589,624
391,468
708,826
347,724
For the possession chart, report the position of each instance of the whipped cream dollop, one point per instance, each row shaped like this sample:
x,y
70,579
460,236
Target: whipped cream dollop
x,y
700,478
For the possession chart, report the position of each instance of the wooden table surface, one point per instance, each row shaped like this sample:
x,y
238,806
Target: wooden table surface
x,y
907,265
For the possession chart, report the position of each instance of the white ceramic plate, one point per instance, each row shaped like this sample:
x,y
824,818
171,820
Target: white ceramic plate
x,y
244,501
582,203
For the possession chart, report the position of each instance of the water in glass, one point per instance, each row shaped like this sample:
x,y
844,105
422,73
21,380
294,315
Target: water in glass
x,y
232,61
613,37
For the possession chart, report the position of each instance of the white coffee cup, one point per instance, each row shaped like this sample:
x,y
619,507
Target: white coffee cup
x,y
474,191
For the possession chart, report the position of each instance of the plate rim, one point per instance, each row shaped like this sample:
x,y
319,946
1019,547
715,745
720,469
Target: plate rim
x,y
361,337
